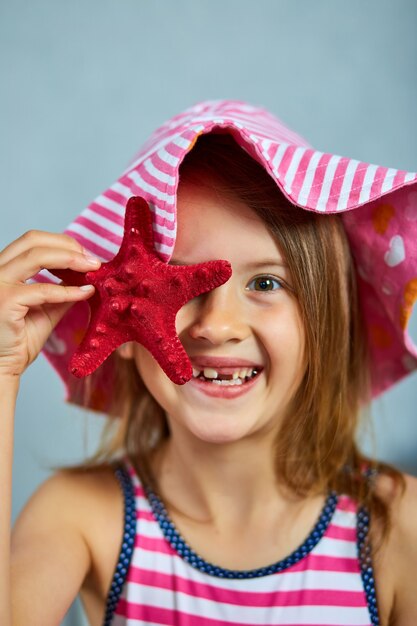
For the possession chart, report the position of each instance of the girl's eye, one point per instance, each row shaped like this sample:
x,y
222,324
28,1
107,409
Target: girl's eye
x,y
265,283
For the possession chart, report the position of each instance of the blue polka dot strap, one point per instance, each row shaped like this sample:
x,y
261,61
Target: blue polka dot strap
x,y
181,547
126,550
365,560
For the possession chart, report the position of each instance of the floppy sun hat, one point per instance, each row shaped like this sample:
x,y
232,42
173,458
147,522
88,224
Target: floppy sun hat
x,y
378,207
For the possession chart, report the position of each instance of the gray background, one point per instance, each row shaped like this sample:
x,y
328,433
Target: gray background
x,y
84,83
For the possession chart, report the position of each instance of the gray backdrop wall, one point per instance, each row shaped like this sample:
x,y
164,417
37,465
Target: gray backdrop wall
x,y
84,83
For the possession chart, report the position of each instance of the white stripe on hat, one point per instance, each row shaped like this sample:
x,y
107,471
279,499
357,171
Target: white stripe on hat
x,y
111,205
146,151
164,250
293,167
167,158
181,142
165,231
410,176
258,128
367,183
347,184
308,179
121,189
160,195
93,237
327,182
265,145
100,220
390,174
166,139
278,156
156,173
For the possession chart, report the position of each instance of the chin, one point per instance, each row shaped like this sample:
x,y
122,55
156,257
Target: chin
x,y
216,431
217,438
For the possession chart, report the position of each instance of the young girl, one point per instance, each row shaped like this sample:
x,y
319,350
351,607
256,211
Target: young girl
x,y
239,497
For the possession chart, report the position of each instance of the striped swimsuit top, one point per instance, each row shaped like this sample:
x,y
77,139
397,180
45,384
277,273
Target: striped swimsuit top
x,y
160,580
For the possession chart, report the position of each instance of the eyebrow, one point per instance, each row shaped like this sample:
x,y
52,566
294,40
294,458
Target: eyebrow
x,y
256,265
266,262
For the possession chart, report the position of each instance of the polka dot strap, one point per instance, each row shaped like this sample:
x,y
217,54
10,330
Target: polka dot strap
x,y
126,550
177,542
365,559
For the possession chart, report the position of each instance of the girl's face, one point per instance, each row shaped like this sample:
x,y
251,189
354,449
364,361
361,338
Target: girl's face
x,y
251,322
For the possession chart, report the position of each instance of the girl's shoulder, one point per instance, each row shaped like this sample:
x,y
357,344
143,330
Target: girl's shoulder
x,y
396,561
93,492
75,517
402,502
98,493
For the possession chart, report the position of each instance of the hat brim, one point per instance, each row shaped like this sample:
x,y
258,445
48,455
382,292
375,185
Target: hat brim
x,y
378,207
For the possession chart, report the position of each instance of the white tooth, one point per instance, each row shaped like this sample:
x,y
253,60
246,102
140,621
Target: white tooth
x,y
227,383
196,373
210,373
235,375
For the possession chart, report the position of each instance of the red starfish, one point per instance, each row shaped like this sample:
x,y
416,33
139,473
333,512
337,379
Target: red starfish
x,y
137,297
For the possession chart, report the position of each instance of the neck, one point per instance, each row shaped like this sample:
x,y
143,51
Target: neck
x,y
203,479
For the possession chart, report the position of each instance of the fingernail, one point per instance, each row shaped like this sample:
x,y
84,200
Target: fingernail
x,y
92,260
86,287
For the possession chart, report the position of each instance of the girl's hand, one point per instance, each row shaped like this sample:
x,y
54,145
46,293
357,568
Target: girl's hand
x,y
28,313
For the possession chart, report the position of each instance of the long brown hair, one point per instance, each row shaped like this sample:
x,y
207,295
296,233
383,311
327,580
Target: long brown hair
x,y
316,450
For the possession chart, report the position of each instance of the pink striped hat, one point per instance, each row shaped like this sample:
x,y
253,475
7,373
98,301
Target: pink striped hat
x,y
383,234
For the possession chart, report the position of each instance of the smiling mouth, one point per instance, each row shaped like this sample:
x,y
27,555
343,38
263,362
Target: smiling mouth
x,y
238,377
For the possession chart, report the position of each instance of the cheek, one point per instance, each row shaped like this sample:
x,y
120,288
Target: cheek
x,y
144,360
154,378
147,367
187,314
283,338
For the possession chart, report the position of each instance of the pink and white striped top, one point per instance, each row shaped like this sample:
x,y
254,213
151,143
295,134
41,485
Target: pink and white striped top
x,y
160,580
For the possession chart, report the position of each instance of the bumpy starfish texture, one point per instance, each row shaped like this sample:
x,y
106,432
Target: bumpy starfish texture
x,y
137,297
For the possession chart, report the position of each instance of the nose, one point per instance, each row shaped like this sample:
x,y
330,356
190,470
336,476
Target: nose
x,y
217,317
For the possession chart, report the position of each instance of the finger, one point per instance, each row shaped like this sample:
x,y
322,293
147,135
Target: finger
x,y
38,294
31,261
38,238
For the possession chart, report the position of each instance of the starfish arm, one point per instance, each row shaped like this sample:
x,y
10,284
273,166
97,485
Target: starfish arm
x,y
161,340
136,251
99,341
138,221
195,280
